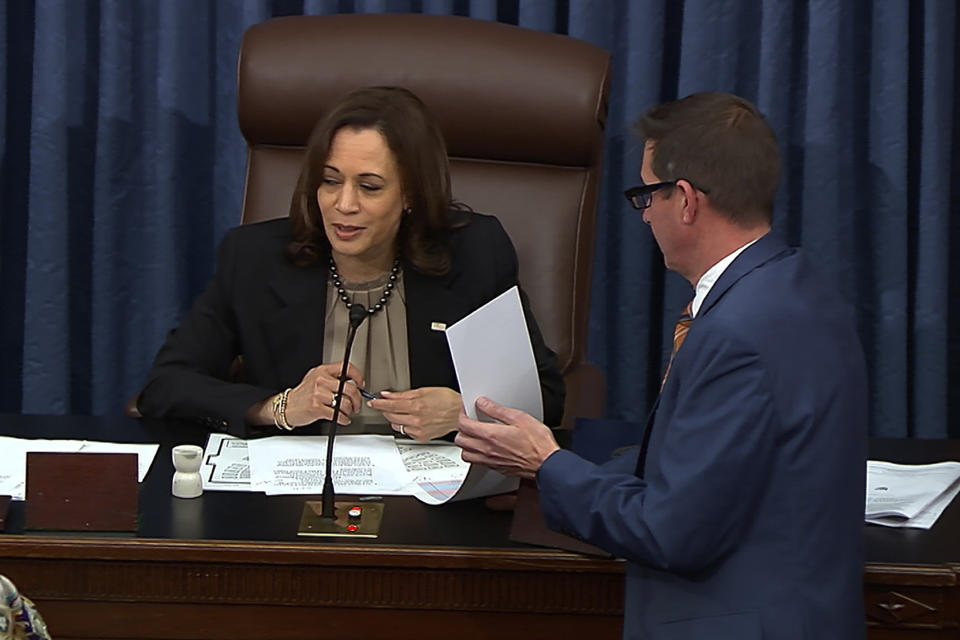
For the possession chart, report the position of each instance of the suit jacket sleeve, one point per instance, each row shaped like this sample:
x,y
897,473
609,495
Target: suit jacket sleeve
x,y
715,459
189,377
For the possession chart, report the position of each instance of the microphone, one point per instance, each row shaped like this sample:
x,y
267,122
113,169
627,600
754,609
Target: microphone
x,y
358,314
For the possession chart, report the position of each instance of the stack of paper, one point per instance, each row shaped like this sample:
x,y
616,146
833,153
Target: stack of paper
x,y
433,472
909,495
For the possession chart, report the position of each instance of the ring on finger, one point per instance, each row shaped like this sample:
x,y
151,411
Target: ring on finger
x,y
402,431
333,401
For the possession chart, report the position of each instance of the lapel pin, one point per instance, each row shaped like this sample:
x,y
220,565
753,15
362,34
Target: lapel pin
x,y
438,326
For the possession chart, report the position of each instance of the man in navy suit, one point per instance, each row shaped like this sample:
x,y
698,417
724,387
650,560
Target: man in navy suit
x,y
741,514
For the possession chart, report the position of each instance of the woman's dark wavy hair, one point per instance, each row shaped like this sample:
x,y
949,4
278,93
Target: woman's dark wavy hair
x,y
421,155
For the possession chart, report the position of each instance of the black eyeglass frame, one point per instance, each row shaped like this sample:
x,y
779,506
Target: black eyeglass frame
x,y
641,197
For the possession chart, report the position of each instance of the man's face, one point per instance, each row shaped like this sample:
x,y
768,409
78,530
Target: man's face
x,y
664,213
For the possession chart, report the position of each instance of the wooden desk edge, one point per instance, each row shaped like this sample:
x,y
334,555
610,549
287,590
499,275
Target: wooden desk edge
x,y
945,575
288,553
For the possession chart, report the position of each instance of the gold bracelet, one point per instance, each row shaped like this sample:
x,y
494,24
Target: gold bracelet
x,y
280,411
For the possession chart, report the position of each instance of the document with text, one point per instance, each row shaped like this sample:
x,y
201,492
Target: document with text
x,y
362,464
433,472
909,495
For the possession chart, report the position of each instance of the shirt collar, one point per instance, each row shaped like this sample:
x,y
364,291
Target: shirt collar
x,y
708,279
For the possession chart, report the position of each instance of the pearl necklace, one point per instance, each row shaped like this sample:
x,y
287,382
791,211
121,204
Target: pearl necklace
x,y
342,292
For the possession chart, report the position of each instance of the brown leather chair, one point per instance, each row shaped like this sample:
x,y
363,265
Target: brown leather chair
x,y
523,115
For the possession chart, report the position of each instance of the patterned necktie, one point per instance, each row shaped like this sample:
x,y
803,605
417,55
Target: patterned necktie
x,y
679,335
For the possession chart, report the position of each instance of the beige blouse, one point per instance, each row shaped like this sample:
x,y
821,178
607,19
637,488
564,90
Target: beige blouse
x,y
380,348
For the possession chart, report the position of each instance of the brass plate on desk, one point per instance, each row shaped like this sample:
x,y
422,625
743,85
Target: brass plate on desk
x,y
367,525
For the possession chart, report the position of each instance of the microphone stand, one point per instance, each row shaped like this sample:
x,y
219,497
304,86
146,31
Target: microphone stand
x,y
358,313
359,519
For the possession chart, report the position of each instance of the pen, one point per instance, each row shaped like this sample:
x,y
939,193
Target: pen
x,y
363,392
366,394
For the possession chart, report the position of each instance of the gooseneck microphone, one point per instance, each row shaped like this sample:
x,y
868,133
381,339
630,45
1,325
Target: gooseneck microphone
x,y
358,314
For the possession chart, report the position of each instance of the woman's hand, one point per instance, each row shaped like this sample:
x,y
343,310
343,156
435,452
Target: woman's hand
x,y
314,398
423,414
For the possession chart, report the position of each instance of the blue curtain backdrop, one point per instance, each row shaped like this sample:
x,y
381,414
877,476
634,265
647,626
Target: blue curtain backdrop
x,y
121,166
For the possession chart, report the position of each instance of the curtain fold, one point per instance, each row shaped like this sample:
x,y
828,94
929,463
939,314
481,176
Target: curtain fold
x,y
121,166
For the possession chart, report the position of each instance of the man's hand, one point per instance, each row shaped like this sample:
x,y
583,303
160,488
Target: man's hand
x,y
517,447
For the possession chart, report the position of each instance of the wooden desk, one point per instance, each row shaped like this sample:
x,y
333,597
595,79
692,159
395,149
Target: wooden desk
x,y
445,572
434,573
912,577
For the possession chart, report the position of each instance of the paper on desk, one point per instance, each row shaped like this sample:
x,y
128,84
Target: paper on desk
x,y
13,458
13,461
436,469
226,465
362,464
909,495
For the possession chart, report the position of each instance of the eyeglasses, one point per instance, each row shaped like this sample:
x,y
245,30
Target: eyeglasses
x,y
641,197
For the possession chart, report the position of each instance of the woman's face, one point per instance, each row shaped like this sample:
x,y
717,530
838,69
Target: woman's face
x,y
361,201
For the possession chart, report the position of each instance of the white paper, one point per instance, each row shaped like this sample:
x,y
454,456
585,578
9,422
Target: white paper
x,y
900,495
433,472
493,357
436,469
13,458
226,465
362,464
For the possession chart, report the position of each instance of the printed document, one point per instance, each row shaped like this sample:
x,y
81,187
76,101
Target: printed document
x,y
433,472
362,464
226,464
909,495
436,469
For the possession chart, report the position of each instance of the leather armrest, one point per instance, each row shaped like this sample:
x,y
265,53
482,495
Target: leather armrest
x,y
586,393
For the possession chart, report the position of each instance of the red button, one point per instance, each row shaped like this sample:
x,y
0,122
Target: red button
x,y
352,527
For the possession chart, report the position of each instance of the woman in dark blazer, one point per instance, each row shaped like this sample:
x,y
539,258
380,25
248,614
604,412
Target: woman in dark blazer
x,y
372,222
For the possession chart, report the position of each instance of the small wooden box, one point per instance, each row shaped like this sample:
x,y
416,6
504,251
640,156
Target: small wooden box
x,y
82,491
4,505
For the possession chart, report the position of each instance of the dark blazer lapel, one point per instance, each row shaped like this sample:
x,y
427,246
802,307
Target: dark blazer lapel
x,y
294,331
760,252
757,254
431,300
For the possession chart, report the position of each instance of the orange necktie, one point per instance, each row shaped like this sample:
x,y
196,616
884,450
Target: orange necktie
x,y
679,335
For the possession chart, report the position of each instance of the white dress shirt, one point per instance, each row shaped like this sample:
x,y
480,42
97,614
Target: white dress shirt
x,y
708,279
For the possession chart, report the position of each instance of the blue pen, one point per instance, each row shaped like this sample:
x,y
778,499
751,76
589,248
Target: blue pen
x,y
366,394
